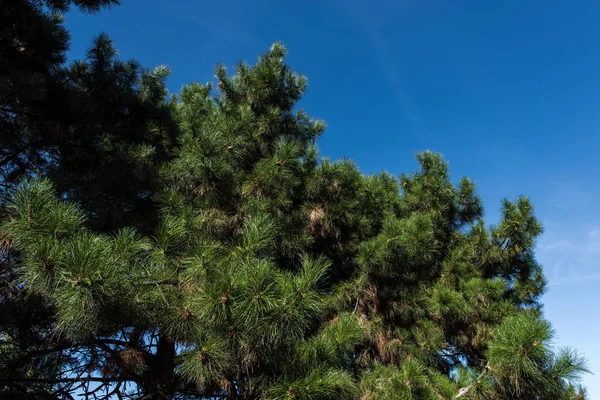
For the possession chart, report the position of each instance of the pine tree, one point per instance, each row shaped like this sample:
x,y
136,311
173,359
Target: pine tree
x,y
100,128
33,42
272,273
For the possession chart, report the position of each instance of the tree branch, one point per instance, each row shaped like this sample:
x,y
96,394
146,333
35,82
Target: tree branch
x,y
173,282
67,380
463,392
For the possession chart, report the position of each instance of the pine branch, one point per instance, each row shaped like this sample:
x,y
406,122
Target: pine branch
x,y
67,380
112,341
463,392
60,347
173,282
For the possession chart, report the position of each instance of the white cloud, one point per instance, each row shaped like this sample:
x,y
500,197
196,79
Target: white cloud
x,y
575,280
571,258
594,242
556,245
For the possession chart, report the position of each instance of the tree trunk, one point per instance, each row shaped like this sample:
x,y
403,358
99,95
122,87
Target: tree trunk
x,y
159,379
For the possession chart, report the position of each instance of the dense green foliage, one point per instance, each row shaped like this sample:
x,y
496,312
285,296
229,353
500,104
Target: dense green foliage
x,y
100,127
247,267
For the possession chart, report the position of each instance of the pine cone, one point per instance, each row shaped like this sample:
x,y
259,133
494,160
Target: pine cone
x,y
187,314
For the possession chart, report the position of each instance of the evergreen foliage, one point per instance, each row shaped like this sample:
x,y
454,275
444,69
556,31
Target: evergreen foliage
x,y
247,267
33,43
100,127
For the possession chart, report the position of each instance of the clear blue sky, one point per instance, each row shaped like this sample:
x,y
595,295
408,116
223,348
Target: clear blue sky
x,y
508,91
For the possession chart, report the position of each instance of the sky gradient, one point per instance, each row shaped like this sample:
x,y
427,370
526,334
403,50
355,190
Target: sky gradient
x,y
508,91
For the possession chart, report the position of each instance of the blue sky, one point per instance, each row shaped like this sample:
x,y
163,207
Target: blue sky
x,y
508,91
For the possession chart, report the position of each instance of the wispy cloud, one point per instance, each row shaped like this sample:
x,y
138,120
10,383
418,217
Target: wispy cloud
x,y
571,258
568,194
569,250
216,26
575,280
557,245
594,242
363,13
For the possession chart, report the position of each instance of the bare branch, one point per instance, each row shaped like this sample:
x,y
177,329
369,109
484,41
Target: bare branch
x,y
463,391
